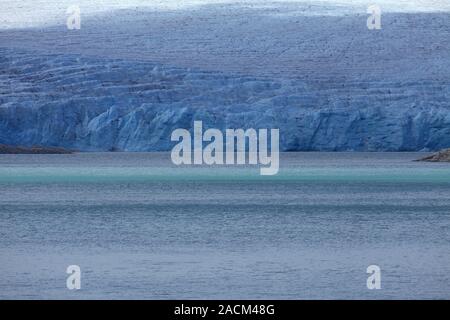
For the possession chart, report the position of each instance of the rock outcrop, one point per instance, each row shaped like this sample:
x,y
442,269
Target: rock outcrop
x,y
5,149
441,156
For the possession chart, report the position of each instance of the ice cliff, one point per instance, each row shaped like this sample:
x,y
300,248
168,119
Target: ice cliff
x,y
98,104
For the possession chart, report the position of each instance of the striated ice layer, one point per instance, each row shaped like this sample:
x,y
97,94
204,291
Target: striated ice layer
x,y
112,104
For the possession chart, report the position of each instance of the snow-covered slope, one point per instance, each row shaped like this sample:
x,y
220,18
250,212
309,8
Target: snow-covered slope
x,y
313,69
40,13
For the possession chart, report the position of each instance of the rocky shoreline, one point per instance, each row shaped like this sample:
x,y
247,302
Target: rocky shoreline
x,y
441,156
7,149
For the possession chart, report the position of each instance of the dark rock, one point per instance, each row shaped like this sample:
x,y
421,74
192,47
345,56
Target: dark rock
x,y
441,156
6,149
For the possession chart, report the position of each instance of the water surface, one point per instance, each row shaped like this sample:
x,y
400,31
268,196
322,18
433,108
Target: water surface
x,y
140,227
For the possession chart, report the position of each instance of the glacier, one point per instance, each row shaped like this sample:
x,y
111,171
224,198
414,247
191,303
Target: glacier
x,y
128,78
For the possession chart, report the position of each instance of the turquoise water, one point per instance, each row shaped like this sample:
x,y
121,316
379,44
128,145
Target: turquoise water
x,y
140,227
152,167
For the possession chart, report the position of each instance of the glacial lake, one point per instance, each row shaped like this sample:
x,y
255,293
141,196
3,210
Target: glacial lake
x,y
140,227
